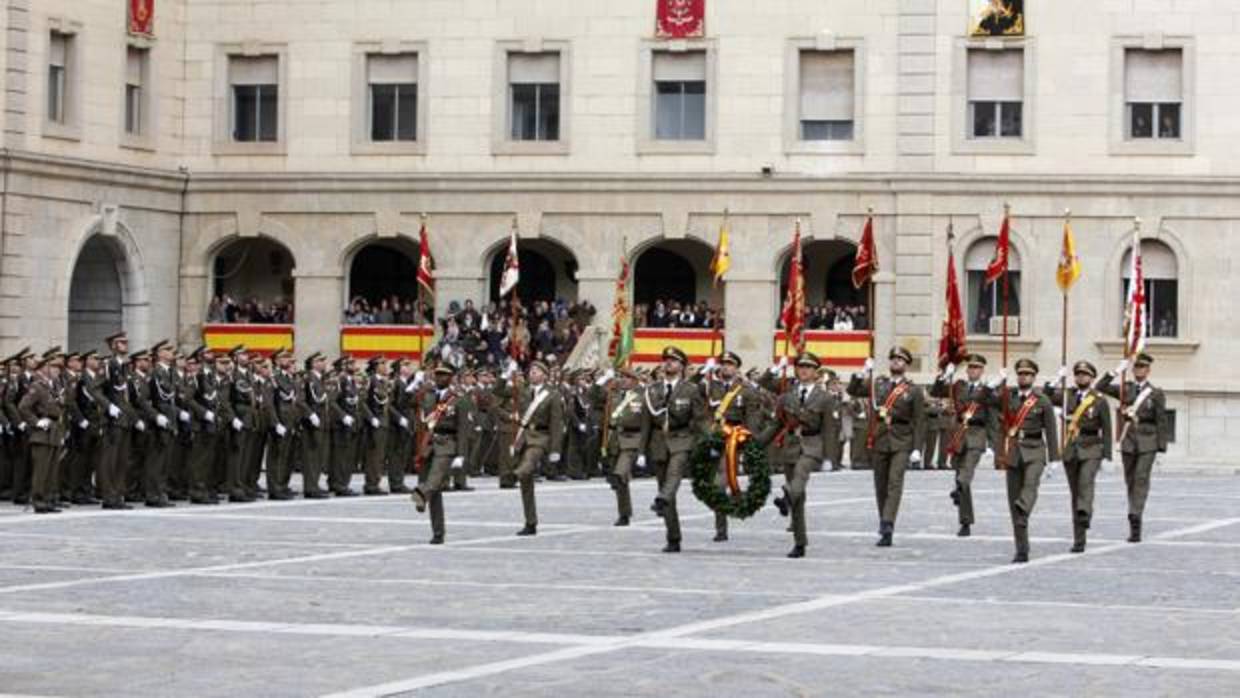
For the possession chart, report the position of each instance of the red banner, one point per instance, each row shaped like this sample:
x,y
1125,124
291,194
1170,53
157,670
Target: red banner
x,y
680,19
141,17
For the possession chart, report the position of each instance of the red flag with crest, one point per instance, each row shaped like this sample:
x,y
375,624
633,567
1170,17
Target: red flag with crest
x,y
793,315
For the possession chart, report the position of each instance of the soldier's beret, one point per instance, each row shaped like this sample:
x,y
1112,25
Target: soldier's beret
x,y
1085,367
730,357
900,353
807,360
1143,359
1026,366
675,354
976,360
113,337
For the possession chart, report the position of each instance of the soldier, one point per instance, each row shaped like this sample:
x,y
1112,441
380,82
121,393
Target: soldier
x,y
23,466
859,424
975,424
267,428
312,430
486,446
467,383
42,408
345,412
180,475
934,415
443,423
113,467
158,397
628,426
9,421
404,424
676,409
75,459
733,404
833,449
204,408
808,410
1086,444
896,434
540,429
1143,433
1029,442
377,417
507,419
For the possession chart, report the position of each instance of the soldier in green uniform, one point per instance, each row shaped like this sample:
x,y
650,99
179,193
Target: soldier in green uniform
x,y
267,428
404,422
1029,442
86,405
1143,433
809,409
974,423
313,435
377,424
468,384
345,412
159,399
487,446
858,426
676,410
42,409
730,403
540,429
898,432
628,427
444,419
204,408
1086,444
243,426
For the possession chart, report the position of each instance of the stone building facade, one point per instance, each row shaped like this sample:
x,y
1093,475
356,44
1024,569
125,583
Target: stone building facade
x,y
261,147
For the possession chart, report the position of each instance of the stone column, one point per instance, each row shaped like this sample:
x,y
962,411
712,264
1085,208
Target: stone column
x,y
317,312
749,318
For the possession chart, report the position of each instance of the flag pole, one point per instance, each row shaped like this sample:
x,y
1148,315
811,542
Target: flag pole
x,y
1123,376
1001,462
1063,353
873,321
715,329
951,240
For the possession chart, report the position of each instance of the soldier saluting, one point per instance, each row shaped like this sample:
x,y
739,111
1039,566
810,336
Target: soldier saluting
x,y
1086,444
540,430
1143,433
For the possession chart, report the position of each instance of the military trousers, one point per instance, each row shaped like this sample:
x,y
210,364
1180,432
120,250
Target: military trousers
x,y
155,465
966,466
889,467
797,482
527,466
1081,475
202,462
344,451
400,450
669,474
113,464
43,459
1137,470
312,450
1024,476
375,457
432,484
621,476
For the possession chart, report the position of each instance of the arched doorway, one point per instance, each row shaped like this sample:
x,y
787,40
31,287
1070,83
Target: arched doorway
x,y
548,271
96,294
252,282
828,285
674,274
383,275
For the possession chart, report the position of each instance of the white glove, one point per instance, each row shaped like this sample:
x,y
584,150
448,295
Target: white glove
x,y
779,367
949,371
1121,366
641,461
581,428
915,456
827,465
869,366
281,431
347,420
84,424
1003,374
43,424
710,364
209,416
458,462
22,427
607,375
183,416
1062,373
113,411
989,452
236,424
314,419
140,425
161,421
374,422
404,423
554,458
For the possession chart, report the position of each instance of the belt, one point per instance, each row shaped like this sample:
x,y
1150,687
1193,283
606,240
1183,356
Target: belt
x,y
1031,434
977,422
1148,421
632,431
1090,432
810,433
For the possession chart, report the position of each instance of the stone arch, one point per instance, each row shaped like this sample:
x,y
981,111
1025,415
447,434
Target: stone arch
x,y
548,269
377,267
828,273
258,267
659,268
107,288
1113,303
1022,251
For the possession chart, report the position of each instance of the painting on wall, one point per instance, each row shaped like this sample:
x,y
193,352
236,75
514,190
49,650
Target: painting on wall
x,y
996,17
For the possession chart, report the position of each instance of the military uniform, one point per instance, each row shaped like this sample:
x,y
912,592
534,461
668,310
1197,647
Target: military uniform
x,y
859,419
42,409
730,404
974,424
628,427
113,467
1031,442
404,409
159,399
444,420
676,410
204,408
541,428
345,414
377,420
313,436
809,409
1086,444
1145,435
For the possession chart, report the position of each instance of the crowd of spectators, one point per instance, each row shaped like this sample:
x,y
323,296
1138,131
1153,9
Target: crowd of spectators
x,y
226,309
670,313
488,336
392,310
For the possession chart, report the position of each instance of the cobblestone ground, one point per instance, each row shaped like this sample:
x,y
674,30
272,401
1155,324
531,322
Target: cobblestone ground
x,y
344,597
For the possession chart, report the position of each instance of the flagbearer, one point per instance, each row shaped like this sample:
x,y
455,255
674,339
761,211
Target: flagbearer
x,y
971,434
445,426
539,433
894,435
1031,440
1086,444
1142,432
810,408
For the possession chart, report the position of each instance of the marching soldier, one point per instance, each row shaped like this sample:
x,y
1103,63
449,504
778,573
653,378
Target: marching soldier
x,y
896,434
974,425
808,410
443,424
859,419
1143,433
628,426
42,408
404,425
733,404
540,429
345,413
1086,444
1029,442
377,416
313,443
676,409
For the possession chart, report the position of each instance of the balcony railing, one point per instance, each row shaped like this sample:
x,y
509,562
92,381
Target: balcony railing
x,y
392,341
258,339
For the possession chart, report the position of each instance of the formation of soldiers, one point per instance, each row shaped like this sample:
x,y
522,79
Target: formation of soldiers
x,y
157,426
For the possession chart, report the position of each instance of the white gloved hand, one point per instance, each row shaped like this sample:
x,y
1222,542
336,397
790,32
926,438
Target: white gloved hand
x,y
869,366
607,375
1121,367
581,428
183,416
1003,374
140,425
949,371
915,456
209,416
161,421
113,411
236,424
347,420
827,465
43,424
314,419
458,462
84,424
22,427
404,423
281,431
989,452
1062,373
374,422
641,461
553,458
710,364
994,382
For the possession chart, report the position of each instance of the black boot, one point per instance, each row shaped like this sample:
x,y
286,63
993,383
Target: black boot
x,y
528,530
1078,539
797,551
1022,544
659,506
673,546
781,503
419,499
1134,529
437,539
622,521
964,532
885,531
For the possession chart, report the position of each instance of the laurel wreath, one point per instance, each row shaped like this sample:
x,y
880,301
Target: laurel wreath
x,y
704,468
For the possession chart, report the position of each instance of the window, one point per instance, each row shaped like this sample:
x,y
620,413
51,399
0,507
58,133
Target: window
x,y
135,80
996,87
534,96
57,77
680,96
255,98
393,83
1153,93
826,108
985,301
1162,292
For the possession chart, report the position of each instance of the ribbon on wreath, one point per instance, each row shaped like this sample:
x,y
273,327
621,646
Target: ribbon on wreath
x,y
734,438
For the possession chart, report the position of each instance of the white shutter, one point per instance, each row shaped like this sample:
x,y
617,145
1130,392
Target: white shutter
x,y
133,67
1153,76
57,48
680,67
534,68
983,251
827,85
397,69
261,70
1157,261
996,76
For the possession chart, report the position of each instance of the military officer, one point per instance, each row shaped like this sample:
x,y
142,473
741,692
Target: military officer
x,y
204,408
628,426
1030,441
313,445
896,434
443,423
42,408
676,409
377,419
345,413
808,408
404,424
540,429
859,419
88,409
158,397
1086,444
974,425
732,403
1143,433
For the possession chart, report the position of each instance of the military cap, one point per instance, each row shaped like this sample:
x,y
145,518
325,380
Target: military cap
x,y
139,355
54,351
160,345
900,353
830,375
675,354
1026,366
1143,359
237,350
312,358
807,360
45,360
444,370
113,337
730,357
1085,367
540,366
976,360
89,354
72,356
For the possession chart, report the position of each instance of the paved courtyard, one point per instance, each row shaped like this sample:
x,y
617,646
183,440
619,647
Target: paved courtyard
x,y
344,597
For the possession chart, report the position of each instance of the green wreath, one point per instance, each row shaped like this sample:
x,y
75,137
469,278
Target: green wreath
x,y
704,467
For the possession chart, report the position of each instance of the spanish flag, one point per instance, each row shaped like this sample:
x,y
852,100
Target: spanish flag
x,y
1069,269
723,254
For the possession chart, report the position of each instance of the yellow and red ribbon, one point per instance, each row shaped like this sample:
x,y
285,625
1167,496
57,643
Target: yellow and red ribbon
x,y
734,438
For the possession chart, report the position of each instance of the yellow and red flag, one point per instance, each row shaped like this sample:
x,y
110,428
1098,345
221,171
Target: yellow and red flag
x,y
1069,269
722,261
866,264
